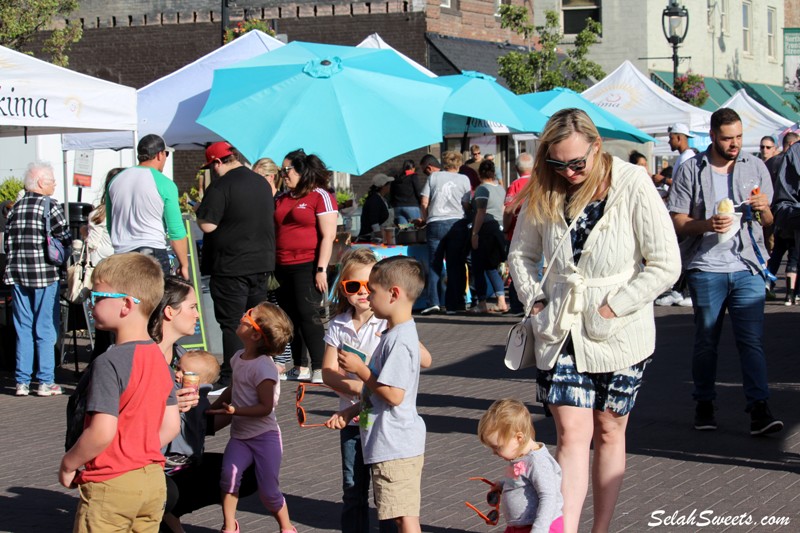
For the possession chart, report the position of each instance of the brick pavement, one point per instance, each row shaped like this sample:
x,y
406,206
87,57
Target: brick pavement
x,y
670,466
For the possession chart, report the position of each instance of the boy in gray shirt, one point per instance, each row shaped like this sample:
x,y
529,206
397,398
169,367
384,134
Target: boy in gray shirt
x,y
392,433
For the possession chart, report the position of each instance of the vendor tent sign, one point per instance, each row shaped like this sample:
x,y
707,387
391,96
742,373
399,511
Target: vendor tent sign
x,y
791,60
39,98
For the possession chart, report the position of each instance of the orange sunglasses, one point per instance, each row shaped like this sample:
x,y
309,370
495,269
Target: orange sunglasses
x,y
493,499
301,413
353,286
248,316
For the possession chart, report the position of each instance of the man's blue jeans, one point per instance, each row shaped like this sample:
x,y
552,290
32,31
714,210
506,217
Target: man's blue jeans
x,y
434,288
742,294
355,486
36,319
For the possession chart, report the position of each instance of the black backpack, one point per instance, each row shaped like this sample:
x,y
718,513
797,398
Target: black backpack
x,y
76,410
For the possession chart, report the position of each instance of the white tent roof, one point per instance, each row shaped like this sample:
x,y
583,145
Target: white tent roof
x,y
44,98
375,41
628,94
757,120
170,105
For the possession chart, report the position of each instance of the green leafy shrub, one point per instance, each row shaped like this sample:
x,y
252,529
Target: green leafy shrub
x,y
9,188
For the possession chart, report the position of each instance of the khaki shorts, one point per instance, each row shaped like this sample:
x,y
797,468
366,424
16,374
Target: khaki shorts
x,y
397,487
133,501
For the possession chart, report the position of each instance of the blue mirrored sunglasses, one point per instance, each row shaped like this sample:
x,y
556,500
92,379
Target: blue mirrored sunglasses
x,y
96,295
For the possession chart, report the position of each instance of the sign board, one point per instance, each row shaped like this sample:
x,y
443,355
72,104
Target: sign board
x,y
198,341
82,173
791,60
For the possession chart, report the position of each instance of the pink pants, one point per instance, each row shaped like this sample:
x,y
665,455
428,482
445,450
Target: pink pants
x,y
556,527
266,451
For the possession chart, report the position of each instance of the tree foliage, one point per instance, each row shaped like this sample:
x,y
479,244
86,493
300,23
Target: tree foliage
x,y
20,20
543,70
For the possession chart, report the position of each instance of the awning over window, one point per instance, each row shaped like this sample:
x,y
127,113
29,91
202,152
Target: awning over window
x,y
721,89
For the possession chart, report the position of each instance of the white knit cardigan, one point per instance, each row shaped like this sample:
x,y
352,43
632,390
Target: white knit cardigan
x,y
630,257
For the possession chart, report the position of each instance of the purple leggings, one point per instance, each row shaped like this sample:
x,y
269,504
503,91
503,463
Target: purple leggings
x,y
266,451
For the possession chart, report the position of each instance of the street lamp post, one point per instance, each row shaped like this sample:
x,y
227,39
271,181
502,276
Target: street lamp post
x,y
675,23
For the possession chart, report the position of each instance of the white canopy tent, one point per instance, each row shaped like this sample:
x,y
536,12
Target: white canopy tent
x,y
757,120
375,41
628,94
170,105
39,98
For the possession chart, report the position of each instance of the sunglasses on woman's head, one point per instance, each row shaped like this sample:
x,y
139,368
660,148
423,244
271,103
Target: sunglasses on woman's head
x,y
493,499
575,165
300,395
353,286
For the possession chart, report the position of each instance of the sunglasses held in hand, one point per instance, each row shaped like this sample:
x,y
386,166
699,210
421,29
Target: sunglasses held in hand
x,y
493,499
301,413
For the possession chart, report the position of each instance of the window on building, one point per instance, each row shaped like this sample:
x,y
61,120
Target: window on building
x,y
747,27
445,3
723,16
497,4
772,40
575,13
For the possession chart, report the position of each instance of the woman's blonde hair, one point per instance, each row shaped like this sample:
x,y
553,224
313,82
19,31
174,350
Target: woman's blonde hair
x,y
546,191
267,167
505,418
451,160
353,258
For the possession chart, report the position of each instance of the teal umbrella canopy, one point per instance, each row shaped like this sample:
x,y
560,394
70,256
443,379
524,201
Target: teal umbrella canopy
x,y
479,96
548,102
353,107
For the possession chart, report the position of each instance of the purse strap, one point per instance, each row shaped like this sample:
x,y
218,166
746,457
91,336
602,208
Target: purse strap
x,y
557,248
47,214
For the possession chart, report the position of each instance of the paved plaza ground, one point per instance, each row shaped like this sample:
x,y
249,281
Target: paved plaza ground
x,y
673,471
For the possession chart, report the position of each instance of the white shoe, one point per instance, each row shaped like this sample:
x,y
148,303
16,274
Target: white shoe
x,y
430,310
685,302
316,376
298,374
670,298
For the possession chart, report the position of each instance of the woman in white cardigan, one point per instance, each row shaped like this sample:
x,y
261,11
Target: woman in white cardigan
x,y
602,227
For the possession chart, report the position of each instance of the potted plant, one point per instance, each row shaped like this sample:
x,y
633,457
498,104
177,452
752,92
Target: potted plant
x,y
344,198
244,26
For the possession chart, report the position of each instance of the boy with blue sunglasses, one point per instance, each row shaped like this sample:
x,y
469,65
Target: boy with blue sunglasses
x,y
131,411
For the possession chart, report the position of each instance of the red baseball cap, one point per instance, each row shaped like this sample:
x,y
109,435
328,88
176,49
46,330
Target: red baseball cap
x,y
218,150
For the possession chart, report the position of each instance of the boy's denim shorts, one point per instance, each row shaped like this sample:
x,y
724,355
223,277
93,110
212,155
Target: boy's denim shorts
x,y
564,385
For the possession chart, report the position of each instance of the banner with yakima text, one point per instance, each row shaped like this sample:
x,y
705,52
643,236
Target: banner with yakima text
x,y
791,60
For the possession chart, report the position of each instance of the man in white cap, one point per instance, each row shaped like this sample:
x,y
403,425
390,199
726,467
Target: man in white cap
x,y
679,136
376,210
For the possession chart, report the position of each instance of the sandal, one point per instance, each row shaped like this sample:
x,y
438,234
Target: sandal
x,y
234,531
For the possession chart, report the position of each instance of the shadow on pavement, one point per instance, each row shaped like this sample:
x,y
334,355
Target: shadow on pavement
x,y
33,514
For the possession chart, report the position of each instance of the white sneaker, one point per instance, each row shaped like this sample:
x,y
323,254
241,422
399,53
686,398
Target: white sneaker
x,y
48,389
298,374
23,389
316,376
670,298
685,302
430,310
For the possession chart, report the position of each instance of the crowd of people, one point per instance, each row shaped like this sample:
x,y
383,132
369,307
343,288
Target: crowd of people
x,y
612,238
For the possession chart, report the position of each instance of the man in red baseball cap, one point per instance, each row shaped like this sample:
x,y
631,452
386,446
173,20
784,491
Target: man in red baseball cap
x,y
237,217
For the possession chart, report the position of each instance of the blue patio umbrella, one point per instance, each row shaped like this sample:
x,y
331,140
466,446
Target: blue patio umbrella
x,y
548,102
479,96
353,107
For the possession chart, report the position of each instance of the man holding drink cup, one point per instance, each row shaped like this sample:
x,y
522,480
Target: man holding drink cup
x,y
725,265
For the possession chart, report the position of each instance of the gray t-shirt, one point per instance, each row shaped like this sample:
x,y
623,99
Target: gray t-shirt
x,y
398,432
446,191
491,196
712,255
532,491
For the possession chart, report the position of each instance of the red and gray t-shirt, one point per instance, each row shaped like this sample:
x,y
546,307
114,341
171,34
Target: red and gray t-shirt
x,y
132,382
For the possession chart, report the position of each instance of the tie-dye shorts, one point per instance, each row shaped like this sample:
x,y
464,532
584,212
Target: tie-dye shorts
x,y
564,385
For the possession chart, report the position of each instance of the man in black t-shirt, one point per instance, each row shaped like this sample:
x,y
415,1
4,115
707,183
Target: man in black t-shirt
x,y
237,217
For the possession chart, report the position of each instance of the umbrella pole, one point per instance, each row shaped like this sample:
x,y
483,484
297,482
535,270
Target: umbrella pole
x,y
465,137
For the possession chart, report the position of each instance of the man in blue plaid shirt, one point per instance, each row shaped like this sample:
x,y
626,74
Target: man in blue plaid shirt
x,y
35,297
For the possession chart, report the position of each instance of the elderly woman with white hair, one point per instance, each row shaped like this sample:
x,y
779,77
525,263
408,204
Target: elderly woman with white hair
x,y
35,279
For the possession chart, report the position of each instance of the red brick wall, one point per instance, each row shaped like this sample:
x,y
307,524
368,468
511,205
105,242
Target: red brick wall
x,y
474,19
